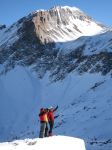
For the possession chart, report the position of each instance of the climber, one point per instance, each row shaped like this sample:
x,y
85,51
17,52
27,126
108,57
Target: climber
x,y
43,123
51,117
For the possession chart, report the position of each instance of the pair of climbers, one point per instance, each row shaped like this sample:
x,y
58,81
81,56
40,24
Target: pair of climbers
x,y
46,116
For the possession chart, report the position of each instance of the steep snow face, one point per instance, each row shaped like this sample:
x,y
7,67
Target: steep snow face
x,y
91,44
61,24
84,105
99,43
20,101
55,142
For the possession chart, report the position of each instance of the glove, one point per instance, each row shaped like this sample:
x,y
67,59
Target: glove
x,y
57,107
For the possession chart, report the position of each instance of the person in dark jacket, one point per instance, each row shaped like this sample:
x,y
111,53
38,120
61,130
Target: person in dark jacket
x,y
43,123
51,117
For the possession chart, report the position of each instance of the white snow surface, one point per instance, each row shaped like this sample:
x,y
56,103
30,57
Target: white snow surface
x,y
93,44
55,143
68,32
68,7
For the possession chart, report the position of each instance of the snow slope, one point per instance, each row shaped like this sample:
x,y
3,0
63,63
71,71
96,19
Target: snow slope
x,y
19,97
55,142
92,44
84,101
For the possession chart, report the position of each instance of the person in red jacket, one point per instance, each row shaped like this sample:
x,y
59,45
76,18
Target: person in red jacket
x,y
51,117
43,123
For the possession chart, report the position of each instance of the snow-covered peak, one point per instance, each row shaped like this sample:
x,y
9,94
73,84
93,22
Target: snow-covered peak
x,y
71,8
59,24
63,23
66,7
59,7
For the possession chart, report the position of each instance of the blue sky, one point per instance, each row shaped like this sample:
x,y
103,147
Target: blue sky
x,y
12,10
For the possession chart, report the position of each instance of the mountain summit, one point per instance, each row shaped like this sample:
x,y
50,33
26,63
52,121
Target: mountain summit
x,y
32,36
61,24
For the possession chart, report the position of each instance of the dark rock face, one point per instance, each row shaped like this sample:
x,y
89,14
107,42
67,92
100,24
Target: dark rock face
x,y
2,27
27,50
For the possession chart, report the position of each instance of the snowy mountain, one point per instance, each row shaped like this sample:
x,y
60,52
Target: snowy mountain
x,y
59,24
55,57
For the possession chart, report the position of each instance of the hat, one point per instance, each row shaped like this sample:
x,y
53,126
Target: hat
x,y
42,109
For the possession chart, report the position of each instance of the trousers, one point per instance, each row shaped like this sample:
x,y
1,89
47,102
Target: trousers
x,y
43,130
